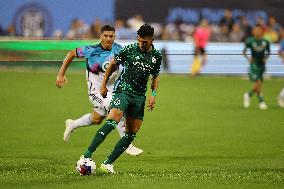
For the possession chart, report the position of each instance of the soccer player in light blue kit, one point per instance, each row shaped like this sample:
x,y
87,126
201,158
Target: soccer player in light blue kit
x,y
98,58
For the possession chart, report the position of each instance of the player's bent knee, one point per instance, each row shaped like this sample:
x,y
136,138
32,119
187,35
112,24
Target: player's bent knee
x,y
97,118
115,114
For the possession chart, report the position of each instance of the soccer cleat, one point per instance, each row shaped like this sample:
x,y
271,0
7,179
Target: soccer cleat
x,y
262,105
246,100
280,101
68,130
106,168
132,150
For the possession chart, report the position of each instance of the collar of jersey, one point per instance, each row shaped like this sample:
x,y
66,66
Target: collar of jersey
x,y
104,48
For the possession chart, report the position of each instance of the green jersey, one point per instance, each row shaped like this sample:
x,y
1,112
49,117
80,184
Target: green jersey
x,y
259,49
137,67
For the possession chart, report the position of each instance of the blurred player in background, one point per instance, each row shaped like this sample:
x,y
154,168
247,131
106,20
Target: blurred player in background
x,y
281,54
98,58
201,37
260,51
139,60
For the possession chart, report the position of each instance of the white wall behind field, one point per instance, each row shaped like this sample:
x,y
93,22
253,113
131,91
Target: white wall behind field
x,y
223,58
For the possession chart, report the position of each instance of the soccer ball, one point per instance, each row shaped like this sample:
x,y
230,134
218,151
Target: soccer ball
x,y
85,166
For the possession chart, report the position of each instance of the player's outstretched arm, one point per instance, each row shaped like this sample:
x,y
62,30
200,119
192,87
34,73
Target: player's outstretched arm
x,y
61,79
111,68
154,87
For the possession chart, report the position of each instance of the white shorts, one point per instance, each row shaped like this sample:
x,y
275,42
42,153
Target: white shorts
x,y
101,105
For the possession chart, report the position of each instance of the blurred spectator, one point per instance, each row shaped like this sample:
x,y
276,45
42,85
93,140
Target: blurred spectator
x,y
245,27
187,31
2,31
281,49
78,30
227,20
262,23
158,30
177,31
221,34
95,29
11,31
227,29
271,35
122,32
57,34
274,24
135,22
236,34
172,31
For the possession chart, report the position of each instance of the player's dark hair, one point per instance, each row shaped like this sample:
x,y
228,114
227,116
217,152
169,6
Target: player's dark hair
x,y
107,28
146,31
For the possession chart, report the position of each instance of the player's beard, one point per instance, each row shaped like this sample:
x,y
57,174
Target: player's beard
x,y
144,47
108,45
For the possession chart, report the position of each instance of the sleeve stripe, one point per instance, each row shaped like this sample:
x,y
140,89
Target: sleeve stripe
x,y
77,53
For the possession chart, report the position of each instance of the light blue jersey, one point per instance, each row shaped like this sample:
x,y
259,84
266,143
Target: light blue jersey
x,y
97,58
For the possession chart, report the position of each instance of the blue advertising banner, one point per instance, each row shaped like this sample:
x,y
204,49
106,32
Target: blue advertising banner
x,y
48,15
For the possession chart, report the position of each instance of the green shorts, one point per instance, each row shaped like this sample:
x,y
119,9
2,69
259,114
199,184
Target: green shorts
x,y
131,104
256,72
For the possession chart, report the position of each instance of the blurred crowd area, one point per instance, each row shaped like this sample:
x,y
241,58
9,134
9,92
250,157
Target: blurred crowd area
x,y
228,29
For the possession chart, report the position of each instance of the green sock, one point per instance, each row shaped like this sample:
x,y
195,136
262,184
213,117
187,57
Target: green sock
x,y
251,93
120,147
100,136
260,98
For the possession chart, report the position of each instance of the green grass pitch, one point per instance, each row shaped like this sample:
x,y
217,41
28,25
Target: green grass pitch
x,y
199,136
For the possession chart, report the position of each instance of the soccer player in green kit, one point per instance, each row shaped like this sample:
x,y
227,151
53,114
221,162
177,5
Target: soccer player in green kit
x,y
139,61
260,50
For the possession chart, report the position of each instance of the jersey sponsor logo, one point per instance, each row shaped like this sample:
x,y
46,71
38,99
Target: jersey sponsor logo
x,y
154,60
118,58
259,48
105,65
142,65
136,63
96,98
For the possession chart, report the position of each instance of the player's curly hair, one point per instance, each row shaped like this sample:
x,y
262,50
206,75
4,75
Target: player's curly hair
x,y
146,31
107,28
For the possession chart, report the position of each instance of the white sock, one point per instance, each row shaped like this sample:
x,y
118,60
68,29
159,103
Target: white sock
x,y
282,93
85,120
121,127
